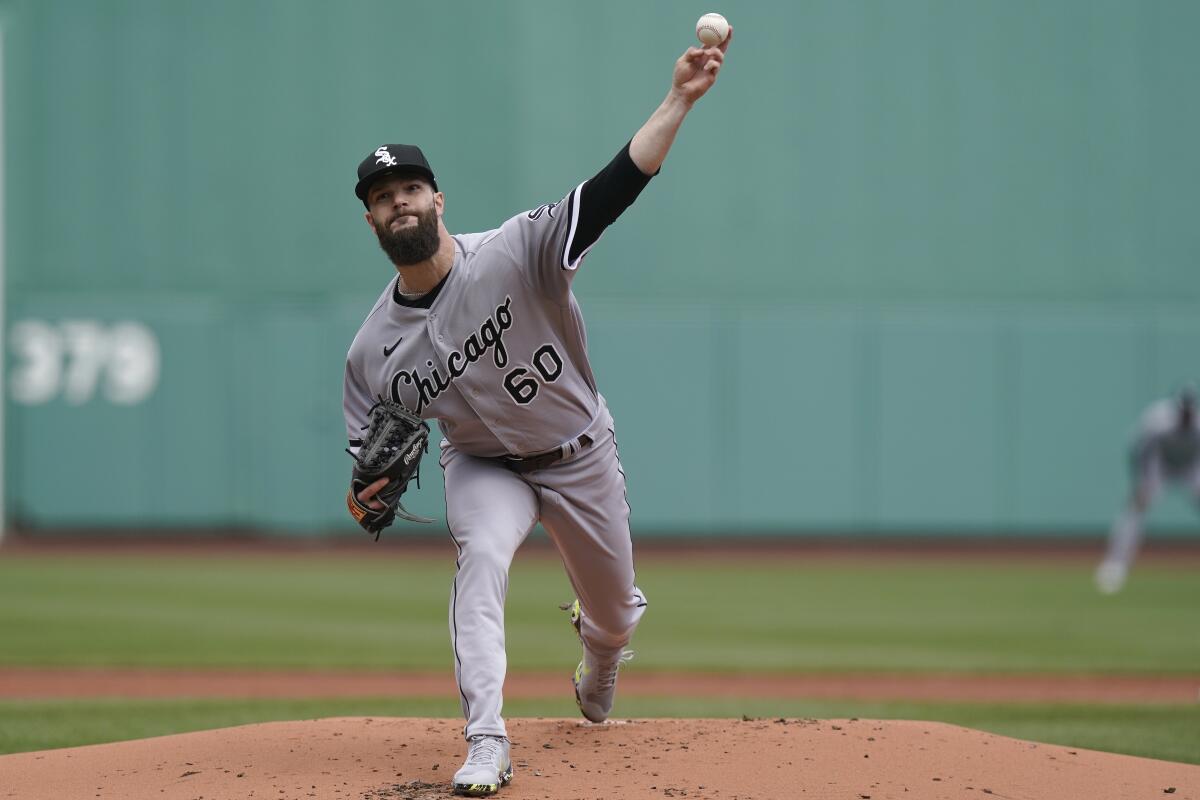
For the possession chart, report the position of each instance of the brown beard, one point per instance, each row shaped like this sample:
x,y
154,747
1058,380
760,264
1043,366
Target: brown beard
x,y
410,245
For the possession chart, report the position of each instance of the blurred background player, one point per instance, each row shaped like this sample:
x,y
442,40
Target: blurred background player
x,y
1166,449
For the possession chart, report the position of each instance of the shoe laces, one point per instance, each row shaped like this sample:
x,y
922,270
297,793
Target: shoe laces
x,y
485,750
607,677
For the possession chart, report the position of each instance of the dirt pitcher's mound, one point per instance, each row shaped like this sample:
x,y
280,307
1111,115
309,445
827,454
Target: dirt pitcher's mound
x,y
414,759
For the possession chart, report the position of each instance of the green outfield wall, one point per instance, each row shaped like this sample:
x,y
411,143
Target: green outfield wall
x,y
911,267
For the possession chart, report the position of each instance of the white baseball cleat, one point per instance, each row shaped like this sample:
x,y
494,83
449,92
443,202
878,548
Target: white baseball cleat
x,y
595,678
1110,577
487,768
596,684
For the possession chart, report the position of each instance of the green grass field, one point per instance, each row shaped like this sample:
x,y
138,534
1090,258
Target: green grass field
x,y
385,610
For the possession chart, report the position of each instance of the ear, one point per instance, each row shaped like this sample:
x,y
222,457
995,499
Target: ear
x,y
439,202
370,219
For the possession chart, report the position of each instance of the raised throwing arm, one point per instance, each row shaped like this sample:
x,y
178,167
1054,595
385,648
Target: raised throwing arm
x,y
695,73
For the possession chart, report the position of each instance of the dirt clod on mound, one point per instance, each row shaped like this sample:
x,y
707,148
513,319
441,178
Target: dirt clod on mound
x,y
722,759
415,790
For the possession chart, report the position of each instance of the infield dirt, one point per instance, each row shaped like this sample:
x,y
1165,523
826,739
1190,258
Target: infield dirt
x,y
414,759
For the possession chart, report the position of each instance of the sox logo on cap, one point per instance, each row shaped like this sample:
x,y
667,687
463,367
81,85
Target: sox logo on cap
x,y
384,157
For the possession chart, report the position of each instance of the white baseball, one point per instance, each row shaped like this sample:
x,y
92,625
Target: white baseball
x,y
712,29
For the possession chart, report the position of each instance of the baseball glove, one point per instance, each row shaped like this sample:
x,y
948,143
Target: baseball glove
x,y
391,449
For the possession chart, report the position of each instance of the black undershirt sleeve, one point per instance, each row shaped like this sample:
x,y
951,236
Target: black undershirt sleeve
x,y
604,198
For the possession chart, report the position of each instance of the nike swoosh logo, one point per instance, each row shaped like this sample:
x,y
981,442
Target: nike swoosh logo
x,y
387,351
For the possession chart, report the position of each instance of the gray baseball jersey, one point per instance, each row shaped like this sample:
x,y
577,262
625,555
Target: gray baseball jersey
x,y
499,359
1162,449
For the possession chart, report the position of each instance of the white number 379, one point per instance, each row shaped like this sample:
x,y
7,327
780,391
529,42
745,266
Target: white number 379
x,y
78,358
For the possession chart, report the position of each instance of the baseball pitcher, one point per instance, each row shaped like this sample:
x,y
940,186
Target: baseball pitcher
x,y
482,333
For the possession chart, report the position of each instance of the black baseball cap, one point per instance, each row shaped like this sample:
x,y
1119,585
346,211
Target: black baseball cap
x,y
391,158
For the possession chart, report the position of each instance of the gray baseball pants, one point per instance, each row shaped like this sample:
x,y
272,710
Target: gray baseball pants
x,y
490,510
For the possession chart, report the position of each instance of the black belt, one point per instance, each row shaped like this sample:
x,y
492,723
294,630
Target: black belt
x,y
543,460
